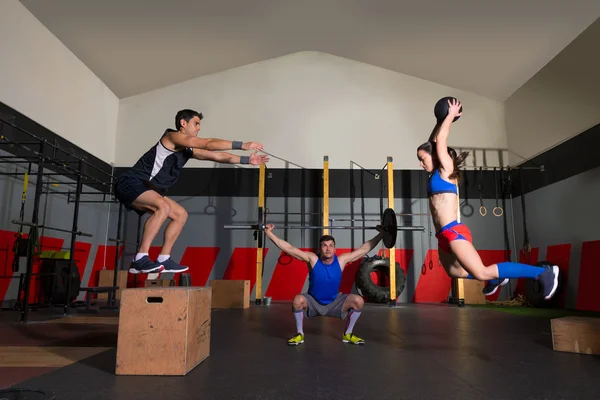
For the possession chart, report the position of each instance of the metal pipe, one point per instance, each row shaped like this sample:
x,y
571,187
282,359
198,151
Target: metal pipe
x,y
117,241
112,296
267,212
34,224
99,201
10,143
251,227
392,251
54,146
74,231
540,168
33,232
49,160
325,220
282,159
373,219
364,169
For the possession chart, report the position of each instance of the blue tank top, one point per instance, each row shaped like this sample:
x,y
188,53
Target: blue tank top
x,y
437,184
324,281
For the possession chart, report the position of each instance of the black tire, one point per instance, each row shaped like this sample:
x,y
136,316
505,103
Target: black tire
x,y
534,294
369,289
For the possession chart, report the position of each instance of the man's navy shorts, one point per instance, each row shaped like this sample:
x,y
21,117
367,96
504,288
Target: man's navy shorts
x,y
127,189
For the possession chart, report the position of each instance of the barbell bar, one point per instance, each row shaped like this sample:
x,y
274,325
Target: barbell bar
x,y
51,228
262,228
388,223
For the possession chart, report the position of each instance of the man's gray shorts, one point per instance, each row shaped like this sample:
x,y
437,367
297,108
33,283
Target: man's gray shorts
x,y
333,309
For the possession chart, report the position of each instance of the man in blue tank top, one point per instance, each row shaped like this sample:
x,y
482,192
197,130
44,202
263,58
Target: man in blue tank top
x,y
325,275
142,188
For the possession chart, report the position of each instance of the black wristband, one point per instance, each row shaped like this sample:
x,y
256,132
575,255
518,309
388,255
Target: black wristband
x,y
245,160
236,145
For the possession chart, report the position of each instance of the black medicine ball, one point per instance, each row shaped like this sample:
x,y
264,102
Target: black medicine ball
x,y
441,109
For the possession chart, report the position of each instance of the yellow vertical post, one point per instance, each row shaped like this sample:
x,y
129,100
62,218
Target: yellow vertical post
x,y
458,286
390,171
325,194
260,233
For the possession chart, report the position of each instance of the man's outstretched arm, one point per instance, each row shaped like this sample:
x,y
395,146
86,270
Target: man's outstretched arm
x,y
287,248
360,252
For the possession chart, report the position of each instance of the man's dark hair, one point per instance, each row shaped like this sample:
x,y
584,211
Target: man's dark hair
x,y
326,238
186,115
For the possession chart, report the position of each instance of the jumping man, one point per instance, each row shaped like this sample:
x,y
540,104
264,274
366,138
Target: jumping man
x,y
142,188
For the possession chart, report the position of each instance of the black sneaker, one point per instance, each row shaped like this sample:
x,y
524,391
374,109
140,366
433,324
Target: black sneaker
x,y
549,281
172,266
493,285
145,266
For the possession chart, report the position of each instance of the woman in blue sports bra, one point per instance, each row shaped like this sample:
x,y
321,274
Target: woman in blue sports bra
x,y
457,254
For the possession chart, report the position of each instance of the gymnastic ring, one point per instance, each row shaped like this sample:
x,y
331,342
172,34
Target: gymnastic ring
x,y
467,206
483,211
430,265
233,212
423,269
500,212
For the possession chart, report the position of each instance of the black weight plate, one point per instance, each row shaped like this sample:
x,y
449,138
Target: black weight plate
x,y
388,221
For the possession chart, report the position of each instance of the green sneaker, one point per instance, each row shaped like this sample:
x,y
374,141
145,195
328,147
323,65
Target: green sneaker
x,y
352,338
296,340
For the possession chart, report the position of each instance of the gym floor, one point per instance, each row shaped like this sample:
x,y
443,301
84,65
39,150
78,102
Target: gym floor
x,y
415,351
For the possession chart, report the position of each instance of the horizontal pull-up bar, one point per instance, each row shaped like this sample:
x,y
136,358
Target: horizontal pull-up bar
x,y
51,228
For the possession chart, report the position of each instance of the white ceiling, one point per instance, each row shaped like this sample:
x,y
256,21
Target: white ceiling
x,y
488,47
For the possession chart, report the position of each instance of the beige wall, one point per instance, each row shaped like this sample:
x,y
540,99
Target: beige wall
x,y
42,79
305,105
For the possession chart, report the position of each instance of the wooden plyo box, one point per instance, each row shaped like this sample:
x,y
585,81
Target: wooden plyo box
x,y
576,335
469,290
163,330
230,293
105,278
159,282
473,291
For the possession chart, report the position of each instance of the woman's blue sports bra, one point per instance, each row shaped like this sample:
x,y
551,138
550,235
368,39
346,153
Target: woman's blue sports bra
x,y
437,185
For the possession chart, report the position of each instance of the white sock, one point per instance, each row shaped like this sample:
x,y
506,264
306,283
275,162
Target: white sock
x,y
140,255
299,315
352,317
163,257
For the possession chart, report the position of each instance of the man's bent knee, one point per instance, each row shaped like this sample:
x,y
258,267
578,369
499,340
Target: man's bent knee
x,y
299,302
178,214
162,208
354,301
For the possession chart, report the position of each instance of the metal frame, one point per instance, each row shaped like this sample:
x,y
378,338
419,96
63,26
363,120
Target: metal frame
x,y
43,162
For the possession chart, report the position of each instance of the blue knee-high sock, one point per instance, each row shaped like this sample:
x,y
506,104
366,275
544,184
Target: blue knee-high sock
x,y
517,270
514,270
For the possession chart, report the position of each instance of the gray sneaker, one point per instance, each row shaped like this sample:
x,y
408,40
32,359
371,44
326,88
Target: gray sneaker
x,y
145,266
493,285
549,281
172,266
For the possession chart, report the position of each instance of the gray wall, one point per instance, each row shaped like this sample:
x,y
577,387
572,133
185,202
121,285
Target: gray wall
x,y
565,212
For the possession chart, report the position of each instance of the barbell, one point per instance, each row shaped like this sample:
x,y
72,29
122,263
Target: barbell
x,y
388,223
